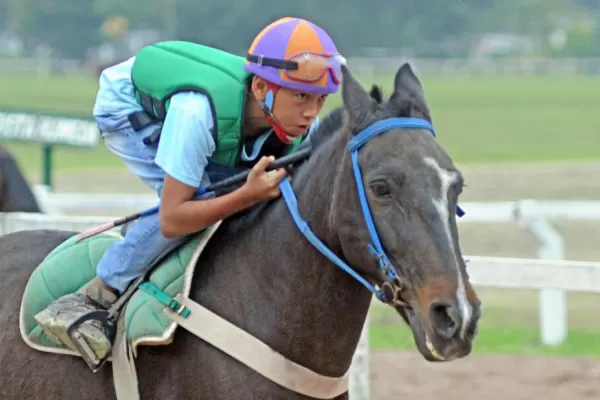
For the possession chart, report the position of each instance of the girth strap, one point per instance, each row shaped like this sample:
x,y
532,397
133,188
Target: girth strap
x,y
257,355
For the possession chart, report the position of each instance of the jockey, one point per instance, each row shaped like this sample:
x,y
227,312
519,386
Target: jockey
x,y
181,115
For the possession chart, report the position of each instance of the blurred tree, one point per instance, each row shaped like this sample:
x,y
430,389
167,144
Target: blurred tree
x,y
430,27
68,26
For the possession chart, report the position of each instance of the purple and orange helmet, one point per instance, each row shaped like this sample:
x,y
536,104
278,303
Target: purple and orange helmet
x,y
296,54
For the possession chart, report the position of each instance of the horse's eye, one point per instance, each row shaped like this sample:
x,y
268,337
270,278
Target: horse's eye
x,y
457,188
380,188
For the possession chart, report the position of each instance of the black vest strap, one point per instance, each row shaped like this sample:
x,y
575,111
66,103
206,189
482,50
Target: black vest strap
x,y
140,119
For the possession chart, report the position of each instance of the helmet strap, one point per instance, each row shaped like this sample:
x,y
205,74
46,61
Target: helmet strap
x,y
267,107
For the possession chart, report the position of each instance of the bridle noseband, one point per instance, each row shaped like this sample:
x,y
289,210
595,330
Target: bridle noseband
x,y
391,288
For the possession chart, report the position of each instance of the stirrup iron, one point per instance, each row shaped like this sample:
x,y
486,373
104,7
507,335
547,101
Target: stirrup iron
x,y
86,351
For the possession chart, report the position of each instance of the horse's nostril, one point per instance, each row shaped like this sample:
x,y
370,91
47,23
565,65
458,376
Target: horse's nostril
x,y
445,319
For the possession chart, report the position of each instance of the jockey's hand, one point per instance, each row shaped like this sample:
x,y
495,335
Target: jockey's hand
x,y
260,184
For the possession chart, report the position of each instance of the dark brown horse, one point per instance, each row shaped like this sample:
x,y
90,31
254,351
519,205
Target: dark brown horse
x,y
260,272
15,193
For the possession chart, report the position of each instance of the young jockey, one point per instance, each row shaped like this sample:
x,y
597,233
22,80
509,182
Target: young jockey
x,y
181,115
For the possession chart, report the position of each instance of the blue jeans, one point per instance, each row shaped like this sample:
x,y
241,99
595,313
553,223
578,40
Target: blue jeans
x,y
127,259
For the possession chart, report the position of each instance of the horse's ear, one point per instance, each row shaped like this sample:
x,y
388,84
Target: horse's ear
x,y
406,83
357,101
376,94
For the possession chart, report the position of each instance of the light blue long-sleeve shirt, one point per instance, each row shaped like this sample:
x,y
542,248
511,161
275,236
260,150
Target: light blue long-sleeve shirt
x,y
186,143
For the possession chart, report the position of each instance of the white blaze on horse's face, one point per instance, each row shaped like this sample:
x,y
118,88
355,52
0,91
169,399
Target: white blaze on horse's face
x,y
441,204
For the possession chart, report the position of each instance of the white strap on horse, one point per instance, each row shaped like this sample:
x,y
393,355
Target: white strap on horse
x,y
257,355
238,344
123,366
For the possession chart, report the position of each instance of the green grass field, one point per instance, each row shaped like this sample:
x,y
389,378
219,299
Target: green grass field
x,y
478,119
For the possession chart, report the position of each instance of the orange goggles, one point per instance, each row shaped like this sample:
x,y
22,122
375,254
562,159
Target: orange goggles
x,y
306,67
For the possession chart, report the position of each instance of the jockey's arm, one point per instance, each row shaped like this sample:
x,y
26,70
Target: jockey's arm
x,y
185,147
180,215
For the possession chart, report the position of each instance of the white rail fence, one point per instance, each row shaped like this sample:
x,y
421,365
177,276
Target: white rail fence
x,y
534,215
549,274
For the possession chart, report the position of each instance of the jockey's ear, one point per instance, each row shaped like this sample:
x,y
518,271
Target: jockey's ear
x,y
259,88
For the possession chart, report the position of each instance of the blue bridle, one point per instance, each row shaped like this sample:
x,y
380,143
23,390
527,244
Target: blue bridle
x,y
392,286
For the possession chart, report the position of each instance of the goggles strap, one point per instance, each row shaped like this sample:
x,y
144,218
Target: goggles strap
x,y
272,62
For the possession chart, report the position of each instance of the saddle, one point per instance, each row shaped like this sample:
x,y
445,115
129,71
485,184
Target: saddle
x,y
71,266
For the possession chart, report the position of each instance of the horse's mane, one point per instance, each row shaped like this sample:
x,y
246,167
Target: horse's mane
x,y
243,220
332,122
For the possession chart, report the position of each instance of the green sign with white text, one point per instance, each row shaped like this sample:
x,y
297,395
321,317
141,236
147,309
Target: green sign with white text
x,y
48,129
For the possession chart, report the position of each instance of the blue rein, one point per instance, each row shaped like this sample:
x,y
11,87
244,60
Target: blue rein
x,y
375,248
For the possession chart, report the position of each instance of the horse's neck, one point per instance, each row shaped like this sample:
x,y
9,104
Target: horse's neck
x,y
292,297
318,309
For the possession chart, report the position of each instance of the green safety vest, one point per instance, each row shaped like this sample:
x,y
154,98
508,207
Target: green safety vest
x,y
165,68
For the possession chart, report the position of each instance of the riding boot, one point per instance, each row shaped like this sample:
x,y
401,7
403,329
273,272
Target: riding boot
x,y
59,315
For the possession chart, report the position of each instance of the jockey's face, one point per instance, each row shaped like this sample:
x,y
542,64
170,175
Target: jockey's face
x,y
294,110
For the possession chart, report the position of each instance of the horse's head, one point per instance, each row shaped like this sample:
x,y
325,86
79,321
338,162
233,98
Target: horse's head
x,y
411,189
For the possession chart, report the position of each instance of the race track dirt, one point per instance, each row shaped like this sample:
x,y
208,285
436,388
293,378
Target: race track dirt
x,y
401,375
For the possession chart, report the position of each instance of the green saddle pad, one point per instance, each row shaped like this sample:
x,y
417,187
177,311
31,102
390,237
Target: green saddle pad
x,y
72,265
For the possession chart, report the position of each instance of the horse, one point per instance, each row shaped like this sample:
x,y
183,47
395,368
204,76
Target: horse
x,y
261,273
15,193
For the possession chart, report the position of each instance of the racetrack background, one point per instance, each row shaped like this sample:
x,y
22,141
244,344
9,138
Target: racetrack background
x,y
513,138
